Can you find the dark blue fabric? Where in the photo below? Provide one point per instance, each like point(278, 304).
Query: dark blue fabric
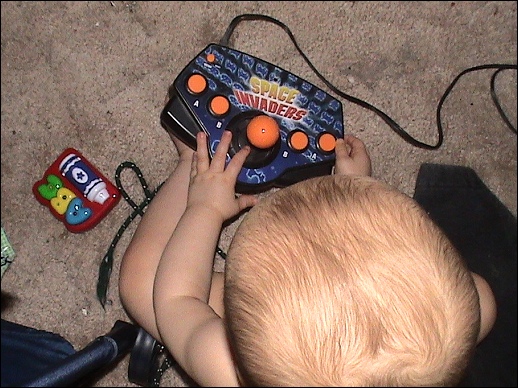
point(98, 354)
point(27, 353)
point(485, 232)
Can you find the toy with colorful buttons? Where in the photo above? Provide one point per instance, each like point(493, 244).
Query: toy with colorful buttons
point(76, 192)
point(289, 123)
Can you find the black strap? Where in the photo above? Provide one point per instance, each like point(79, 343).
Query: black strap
point(106, 266)
point(149, 360)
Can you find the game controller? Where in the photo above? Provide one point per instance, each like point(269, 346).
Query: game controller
point(290, 124)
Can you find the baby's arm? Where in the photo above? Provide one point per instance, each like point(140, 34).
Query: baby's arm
point(352, 157)
point(191, 330)
point(140, 260)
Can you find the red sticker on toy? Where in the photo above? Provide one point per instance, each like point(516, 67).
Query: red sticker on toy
point(76, 192)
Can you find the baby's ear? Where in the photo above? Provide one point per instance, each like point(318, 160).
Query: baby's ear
point(488, 310)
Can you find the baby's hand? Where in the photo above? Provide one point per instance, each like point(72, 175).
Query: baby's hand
point(212, 185)
point(352, 157)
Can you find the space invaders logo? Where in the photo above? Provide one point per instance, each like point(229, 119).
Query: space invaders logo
point(271, 97)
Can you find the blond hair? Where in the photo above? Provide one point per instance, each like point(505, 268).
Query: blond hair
point(345, 281)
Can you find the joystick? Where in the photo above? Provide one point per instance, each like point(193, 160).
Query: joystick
point(262, 132)
point(290, 124)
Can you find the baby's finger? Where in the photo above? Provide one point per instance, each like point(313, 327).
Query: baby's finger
point(220, 155)
point(355, 144)
point(341, 149)
point(246, 201)
point(236, 163)
point(202, 154)
point(194, 163)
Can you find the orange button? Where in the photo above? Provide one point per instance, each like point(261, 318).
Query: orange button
point(196, 83)
point(298, 141)
point(211, 58)
point(263, 131)
point(219, 105)
point(326, 142)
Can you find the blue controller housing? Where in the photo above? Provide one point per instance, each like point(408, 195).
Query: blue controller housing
point(224, 89)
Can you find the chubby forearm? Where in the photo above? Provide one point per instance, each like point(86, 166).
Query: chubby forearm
point(187, 324)
point(183, 280)
point(141, 258)
point(188, 257)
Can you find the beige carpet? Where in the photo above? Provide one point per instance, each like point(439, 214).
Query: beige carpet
point(93, 76)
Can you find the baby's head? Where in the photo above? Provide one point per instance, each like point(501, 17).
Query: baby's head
point(341, 281)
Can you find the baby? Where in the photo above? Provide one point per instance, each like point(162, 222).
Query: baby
point(338, 280)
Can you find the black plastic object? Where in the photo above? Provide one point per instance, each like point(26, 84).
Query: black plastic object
point(100, 353)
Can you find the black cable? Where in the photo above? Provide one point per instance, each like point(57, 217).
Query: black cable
point(497, 102)
point(224, 41)
point(499, 67)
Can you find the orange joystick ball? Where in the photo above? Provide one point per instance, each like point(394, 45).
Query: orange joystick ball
point(263, 131)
